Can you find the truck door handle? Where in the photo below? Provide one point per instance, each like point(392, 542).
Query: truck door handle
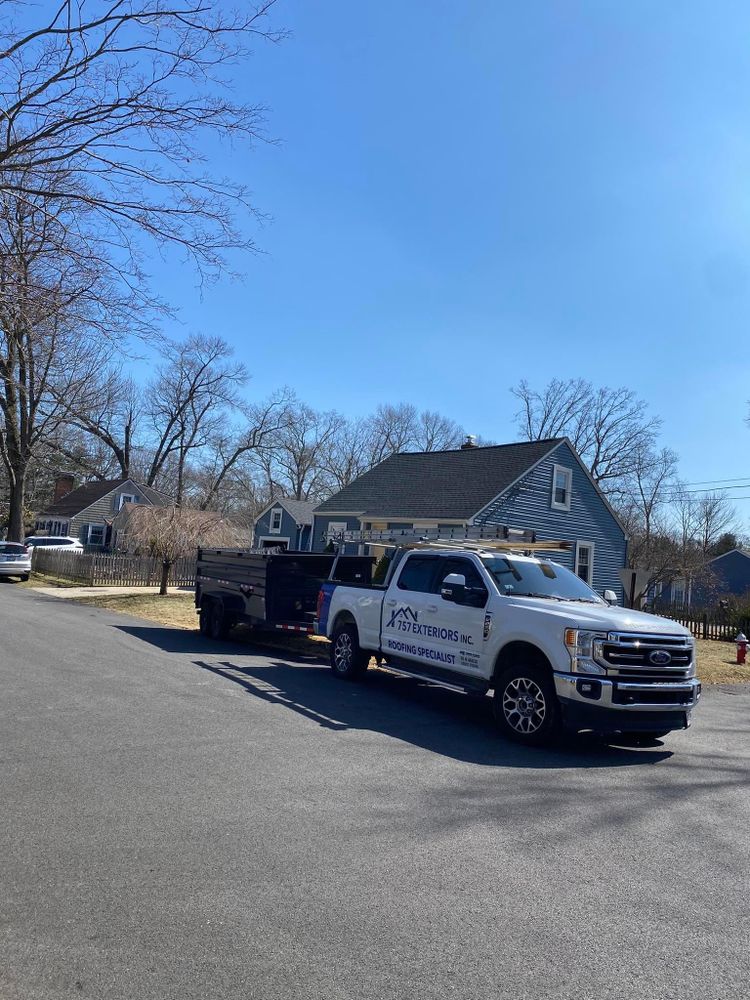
point(431, 607)
point(390, 603)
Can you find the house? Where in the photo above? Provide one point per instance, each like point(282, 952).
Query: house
point(541, 486)
point(724, 576)
point(284, 523)
point(87, 513)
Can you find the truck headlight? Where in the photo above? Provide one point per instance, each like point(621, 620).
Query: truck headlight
point(584, 647)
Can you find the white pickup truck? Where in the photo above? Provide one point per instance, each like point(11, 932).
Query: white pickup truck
point(554, 653)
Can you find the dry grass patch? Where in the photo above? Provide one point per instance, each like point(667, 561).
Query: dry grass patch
point(716, 663)
point(177, 610)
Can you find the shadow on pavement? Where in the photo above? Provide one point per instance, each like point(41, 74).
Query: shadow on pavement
point(182, 640)
point(423, 715)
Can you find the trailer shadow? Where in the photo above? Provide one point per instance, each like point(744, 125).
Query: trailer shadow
point(423, 715)
point(172, 639)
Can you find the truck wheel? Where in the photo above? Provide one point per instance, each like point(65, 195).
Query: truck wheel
point(525, 705)
point(24, 577)
point(217, 624)
point(348, 660)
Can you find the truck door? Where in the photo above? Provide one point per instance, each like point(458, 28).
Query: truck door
point(461, 623)
point(408, 611)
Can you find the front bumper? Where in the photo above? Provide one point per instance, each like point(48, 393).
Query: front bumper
point(609, 706)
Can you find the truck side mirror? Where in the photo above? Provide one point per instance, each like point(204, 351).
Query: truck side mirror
point(453, 587)
point(610, 597)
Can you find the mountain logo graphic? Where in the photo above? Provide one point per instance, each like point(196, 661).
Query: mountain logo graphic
point(402, 614)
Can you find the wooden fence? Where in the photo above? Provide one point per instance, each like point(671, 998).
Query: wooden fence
point(100, 569)
point(723, 626)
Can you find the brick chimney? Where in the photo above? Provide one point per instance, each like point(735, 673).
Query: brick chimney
point(63, 486)
point(470, 442)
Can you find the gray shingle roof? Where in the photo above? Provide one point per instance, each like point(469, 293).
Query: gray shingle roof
point(300, 510)
point(77, 500)
point(438, 484)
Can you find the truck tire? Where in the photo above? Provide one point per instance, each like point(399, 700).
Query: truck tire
point(348, 660)
point(217, 623)
point(525, 705)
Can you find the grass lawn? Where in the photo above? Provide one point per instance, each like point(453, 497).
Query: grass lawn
point(715, 659)
point(716, 663)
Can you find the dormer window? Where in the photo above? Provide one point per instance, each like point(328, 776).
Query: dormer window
point(562, 486)
point(276, 521)
point(126, 498)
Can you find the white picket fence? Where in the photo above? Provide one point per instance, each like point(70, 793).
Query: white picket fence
point(102, 569)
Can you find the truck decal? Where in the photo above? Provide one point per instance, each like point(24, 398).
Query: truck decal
point(402, 614)
point(423, 652)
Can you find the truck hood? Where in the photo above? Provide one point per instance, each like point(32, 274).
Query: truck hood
point(601, 618)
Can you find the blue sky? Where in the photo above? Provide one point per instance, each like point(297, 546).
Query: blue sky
point(469, 193)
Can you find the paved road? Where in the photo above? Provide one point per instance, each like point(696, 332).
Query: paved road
point(179, 819)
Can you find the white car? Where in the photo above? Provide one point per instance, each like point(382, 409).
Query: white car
point(15, 560)
point(61, 542)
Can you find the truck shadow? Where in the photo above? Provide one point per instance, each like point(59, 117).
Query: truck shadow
point(452, 725)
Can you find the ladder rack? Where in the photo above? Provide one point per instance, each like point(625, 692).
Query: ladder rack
point(477, 538)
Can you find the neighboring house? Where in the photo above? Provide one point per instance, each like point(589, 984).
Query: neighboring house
point(541, 486)
point(727, 575)
point(284, 523)
point(87, 513)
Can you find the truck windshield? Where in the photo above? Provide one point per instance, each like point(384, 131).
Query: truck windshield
point(524, 578)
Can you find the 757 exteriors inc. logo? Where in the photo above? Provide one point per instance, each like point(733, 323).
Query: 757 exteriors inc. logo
point(402, 614)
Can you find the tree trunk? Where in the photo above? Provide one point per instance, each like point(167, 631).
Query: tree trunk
point(165, 568)
point(15, 512)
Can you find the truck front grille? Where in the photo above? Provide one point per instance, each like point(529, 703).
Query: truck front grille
point(647, 656)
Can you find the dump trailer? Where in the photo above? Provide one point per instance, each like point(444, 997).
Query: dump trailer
point(268, 589)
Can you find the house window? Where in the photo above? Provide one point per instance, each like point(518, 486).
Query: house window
point(276, 516)
point(125, 498)
point(562, 485)
point(585, 561)
point(334, 531)
point(95, 534)
point(678, 592)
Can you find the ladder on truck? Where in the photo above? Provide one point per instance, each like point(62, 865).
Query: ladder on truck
point(479, 537)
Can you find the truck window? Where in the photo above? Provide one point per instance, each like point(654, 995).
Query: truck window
point(476, 592)
point(418, 574)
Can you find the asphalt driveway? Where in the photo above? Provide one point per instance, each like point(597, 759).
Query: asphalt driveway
point(183, 819)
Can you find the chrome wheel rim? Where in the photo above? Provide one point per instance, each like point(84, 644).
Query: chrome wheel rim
point(343, 652)
point(524, 705)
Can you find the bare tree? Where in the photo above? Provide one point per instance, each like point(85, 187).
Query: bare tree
point(107, 414)
point(169, 533)
point(714, 515)
point(293, 463)
point(60, 317)
point(259, 424)
point(609, 427)
point(194, 388)
point(114, 100)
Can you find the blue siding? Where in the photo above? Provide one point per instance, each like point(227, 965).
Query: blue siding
point(730, 576)
point(320, 527)
point(288, 530)
point(528, 505)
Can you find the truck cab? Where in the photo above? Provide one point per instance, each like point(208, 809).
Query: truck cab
point(554, 653)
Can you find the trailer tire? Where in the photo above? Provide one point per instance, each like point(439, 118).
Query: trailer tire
point(525, 705)
point(348, 659)
point(218, 626)
point(204, 619)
